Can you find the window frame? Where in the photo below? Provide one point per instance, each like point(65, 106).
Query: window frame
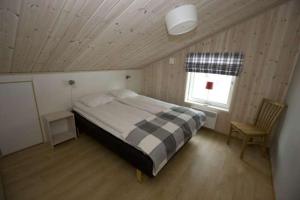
point(189, 99)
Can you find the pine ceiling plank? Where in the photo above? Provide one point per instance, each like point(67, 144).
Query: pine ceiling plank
point(36, 32)
point(42, 31)
point(111, 33)
point(30, 11)
point(81, 17)
point(93, 28)
point(35, 19)
point(9, 19)
point(64, 20)
point(57, 61)
point(147, 35)
point(141, 22)
point(125, 30)
point(149, 24)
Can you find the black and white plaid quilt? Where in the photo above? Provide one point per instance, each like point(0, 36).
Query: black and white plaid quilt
point(165, 133)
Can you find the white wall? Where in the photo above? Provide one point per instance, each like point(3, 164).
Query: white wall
point(54, 94)
point(285, 152)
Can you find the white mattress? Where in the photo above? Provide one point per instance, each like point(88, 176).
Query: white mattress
point(114, 117)
point(148, 104)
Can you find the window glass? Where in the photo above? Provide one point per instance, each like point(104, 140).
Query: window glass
point(211, 89)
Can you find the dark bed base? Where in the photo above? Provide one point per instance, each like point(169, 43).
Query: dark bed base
point(137, 158)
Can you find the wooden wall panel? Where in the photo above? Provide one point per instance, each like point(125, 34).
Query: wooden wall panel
point(271, 43)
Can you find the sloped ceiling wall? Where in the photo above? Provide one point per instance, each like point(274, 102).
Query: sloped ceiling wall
point(79, 35)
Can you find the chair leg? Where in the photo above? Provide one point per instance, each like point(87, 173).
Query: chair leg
point(245, 143)
point(229, 135)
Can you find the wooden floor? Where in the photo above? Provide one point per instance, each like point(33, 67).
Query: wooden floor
point(206, 168)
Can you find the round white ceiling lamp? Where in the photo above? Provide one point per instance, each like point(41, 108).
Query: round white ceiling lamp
point(181, 19)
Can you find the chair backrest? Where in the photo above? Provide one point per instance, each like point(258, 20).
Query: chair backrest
point(268, 113)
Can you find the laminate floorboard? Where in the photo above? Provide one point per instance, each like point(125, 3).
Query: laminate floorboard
point(206, 168)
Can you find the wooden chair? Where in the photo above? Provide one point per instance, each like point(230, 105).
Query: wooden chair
point(268, 113)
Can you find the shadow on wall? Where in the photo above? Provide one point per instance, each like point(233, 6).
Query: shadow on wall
point(277, 134)
point(2, 196)
point(285, 149)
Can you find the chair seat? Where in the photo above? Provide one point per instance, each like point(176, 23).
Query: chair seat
point(248, 129)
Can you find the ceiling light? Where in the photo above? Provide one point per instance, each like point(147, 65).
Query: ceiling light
point(181, 19)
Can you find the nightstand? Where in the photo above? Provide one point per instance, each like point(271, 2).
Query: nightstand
point(60, 127)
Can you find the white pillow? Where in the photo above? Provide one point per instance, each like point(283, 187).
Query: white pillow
point(96, 99)
point(123, 93)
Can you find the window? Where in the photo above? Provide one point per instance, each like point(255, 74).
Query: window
point(211, 77)
point(209, 89)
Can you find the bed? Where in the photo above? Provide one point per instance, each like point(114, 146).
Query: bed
point(144, 131)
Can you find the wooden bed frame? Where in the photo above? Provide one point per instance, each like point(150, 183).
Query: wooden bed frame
point(138, 159)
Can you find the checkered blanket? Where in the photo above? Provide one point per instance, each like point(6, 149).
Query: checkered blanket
point(163, 135)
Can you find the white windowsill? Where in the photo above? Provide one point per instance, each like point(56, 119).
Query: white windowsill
point(205, 107)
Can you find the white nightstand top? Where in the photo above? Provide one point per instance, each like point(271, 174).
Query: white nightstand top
point(58, 115)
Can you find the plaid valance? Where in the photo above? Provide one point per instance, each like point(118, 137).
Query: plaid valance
point(215, 63)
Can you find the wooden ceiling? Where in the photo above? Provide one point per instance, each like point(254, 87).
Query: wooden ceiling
point(79, 35)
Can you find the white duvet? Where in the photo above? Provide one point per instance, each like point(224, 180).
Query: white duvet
point(117, 115)
point(148, 104)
